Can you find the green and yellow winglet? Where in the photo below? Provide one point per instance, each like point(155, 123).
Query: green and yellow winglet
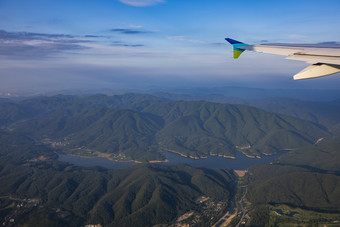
point(236, 45)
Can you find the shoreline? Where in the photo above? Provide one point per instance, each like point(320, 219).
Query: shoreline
point(222, 156)
point(106, 156)
point(241, 162)
point(203, 157)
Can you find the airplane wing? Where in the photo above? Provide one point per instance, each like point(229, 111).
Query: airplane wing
point(325, 59)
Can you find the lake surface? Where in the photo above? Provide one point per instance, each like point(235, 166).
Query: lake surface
point(241, 162)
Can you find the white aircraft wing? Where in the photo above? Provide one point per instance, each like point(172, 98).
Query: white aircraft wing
point(325, 59)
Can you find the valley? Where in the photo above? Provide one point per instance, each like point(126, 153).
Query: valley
point(141, 127)
point(194, 163)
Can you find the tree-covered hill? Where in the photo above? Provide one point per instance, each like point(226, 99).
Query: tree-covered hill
point(323, 113)
point(294, 186)
point(199, 128)
point(326, 113)
point(325, 157)
point(142, 195)
point(140, 127)
point(308, 178)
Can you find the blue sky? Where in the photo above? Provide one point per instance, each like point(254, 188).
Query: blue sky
point(49, 44)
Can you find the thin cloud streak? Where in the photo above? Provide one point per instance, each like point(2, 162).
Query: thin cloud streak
point(123, 44)
point(4, 35)
point(23, 45)
point(129, 31)
point(23, 50)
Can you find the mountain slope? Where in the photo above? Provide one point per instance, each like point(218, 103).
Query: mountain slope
point(200, 128)
point(307, 178)
point(323, 113)
point(122, 131)
point(294, 186)
point(142, 195)
point(139, 127)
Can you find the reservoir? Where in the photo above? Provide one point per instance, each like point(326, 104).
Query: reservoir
point(241, 162)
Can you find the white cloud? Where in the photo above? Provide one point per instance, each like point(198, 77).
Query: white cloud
point(26, 45)
point(141, 3)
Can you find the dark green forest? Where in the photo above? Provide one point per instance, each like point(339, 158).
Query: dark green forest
point(307, 178)
point(140, 127)
point(38, 190)
point(142, 195)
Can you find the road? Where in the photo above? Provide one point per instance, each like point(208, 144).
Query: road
point(242, 208)
point(225, 220)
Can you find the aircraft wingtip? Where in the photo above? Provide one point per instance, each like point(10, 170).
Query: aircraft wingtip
point(232, 41)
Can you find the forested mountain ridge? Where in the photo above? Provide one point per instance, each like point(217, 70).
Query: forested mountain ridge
point(307, 179)
point(140, 127)
point(40, 191)
point(323, 113)
point(326, 113)
point(224, 129)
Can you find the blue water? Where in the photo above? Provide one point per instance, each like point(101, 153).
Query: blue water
point(241, 162)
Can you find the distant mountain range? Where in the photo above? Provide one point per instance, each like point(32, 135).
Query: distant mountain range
point(229, 92)
point(321, 112)
point(140, 127)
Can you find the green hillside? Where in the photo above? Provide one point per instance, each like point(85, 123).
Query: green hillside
point(39, 190)
point(326, 113)
point(294, 186)
point(307, 179)
point(323, 113)
point(199, 128)
point(128, 132)
point(140, 127)
point(54, 193)
point(323, 157)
